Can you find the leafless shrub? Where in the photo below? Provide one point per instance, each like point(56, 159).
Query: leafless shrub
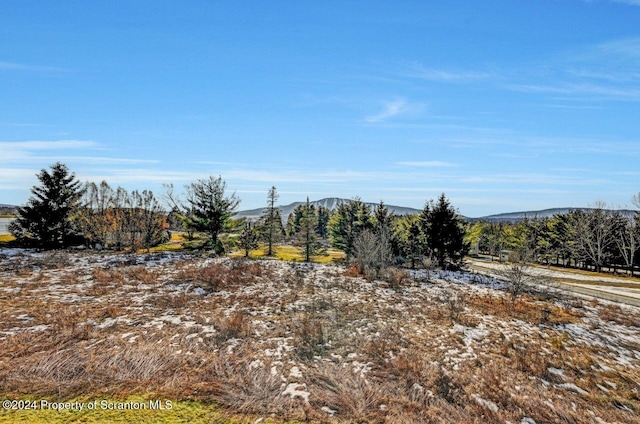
point(370, 255)
point(142, 274)
point(397, 278)
point(237, 325)
point(310, 336)
point(517, 276)
point(454, 304)
point(221, 275)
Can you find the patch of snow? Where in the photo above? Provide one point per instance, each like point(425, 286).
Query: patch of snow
point(297, 390)
point(573, 388)
point(485, 403)
point(556, 371)
point(328, 410)
point(295, 373)
point(256, 364)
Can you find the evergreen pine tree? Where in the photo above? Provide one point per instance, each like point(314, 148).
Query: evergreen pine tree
point(209, 210)
point(248, 238)
point(349, 220)
point(46, 220)
point(272, 220)
point(444, 233)
point(306, 231)
point(323, 215)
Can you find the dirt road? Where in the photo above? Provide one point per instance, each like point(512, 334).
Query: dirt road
point(618, 289)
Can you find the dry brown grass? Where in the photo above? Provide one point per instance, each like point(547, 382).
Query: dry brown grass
point(615, 313)
point(372, 351)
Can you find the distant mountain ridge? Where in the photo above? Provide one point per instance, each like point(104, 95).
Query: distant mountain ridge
point(544, 213)
point(331, 203)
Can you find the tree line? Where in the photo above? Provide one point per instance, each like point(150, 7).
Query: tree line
point(62, 212)
point(590, 239)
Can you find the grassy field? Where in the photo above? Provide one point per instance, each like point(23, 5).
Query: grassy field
point(235, 341)
point(291, 253)
point(132, 409)
point(282, 252)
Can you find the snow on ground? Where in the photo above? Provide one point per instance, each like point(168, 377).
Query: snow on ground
point(294, 317)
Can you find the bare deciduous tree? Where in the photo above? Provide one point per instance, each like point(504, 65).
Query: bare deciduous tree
point(594, 234)
point(95, 216)
point(517, 276)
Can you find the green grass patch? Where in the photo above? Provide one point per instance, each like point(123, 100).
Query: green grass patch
point(291, 254)
point(166, 247)
point(175, 243)
point(133, 409)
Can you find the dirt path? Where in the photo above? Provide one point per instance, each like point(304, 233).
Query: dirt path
point(616, 289)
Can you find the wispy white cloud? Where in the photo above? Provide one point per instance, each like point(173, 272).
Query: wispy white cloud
point(415, 70)
point(630, 2)
point(399, 107)
point(603, 71)
point(428, 164)
point(20, 151)
point(390, 110)
point(16, 178)
point(533, 179)
point(137, 175)
point(13, 66)
point(583, 89)
point(46, 145)
point(97, 160)
point(45, 151)
point(300, 176)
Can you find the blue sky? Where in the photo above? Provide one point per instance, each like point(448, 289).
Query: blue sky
point(502, 105)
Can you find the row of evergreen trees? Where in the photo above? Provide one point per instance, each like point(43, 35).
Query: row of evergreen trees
point(63, 211)
point(589, 239)
point(371, 237)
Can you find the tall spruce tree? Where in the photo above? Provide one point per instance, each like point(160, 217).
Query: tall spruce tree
point(272, 220)
point(444, 233)
point(208, 209)
point(306, 231)
point(324, 215)
point(349, 220)
point(46, 220)
point(248, 238)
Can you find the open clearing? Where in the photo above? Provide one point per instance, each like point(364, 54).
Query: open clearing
point(315, 342)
